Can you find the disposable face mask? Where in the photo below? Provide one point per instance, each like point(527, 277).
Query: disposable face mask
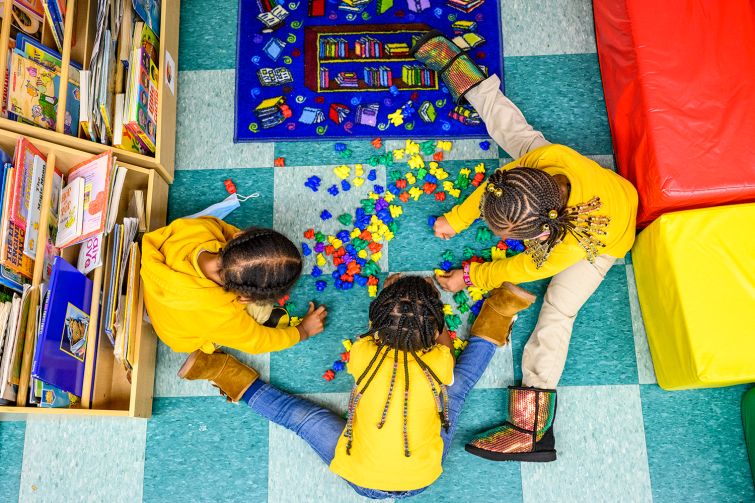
point(223, 208)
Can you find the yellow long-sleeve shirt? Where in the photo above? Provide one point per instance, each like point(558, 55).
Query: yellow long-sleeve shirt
point(190, 311)
point(588, 179)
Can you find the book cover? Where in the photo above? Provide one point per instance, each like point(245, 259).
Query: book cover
point(18, 210)
point(149, 11)
point(35, 205)
point(96, 173)
point(141, 115)
point(33, 93)
point(51, 251)
point(61, 347)
point(54, 397)
point(70, 217)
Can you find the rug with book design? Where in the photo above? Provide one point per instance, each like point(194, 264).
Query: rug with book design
point(341, 68)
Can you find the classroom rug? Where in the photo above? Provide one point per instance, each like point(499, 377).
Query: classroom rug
point(341, 68)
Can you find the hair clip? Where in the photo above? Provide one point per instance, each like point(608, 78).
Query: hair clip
point(553, 214)
point(494, 190)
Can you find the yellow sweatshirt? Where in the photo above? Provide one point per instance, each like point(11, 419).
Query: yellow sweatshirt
point(377, 459)
point(588, 179)
point(189, 311)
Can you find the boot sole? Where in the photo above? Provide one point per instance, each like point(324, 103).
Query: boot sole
point(533, 457)
point(188, 364)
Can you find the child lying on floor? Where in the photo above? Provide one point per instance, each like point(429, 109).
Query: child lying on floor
point(407, 396)
point(208, 284)
point(576, 219)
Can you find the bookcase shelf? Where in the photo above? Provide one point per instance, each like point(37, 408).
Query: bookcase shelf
point(107, 390)
point(351, 62)
point(83, 31)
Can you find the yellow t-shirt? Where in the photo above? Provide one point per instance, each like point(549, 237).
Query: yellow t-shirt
point(588, 179)
point(190, 311)
point(377, 458)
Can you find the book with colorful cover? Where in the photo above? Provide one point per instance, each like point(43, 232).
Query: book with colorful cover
point(18, 209)
point(55, 13)
point(35, 205)
point(141, 114)
point(8, 278)
point(33, 94)
point(27, 17)
point(96, 173)
point(149, 11)
point(46, 56)
point(61, 348)
point(70, 215)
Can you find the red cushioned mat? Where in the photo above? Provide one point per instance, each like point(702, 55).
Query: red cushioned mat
point(679, 82)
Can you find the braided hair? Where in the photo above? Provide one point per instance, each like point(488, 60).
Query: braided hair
point(260, 264)
point(523, 203)
point(405, 318)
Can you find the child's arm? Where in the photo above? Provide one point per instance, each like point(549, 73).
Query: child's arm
point(245, 334)
point(462, 215)
point(521, 268)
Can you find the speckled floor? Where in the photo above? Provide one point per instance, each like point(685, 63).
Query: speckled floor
point(620, 437)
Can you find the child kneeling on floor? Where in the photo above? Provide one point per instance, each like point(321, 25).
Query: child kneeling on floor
point(407, 397)
point(576, 219)
point(208, 284)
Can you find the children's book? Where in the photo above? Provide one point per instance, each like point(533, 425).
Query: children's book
point(53, 397)
point(140, 116)
point(54, 11)
point(61, 348)
point(8, 278)
point(51, 251)
point(149, 12)
point(27, 17)
point(70, 220)
point(7, 390)
point(19, 202)
point(33, 93)
point(96, 173)
point(35, 205)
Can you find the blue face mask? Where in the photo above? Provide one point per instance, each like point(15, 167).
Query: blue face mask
point(223, 208)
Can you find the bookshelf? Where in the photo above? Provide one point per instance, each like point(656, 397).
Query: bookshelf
point(83, 31)
point(107, 391)
point(350, 61)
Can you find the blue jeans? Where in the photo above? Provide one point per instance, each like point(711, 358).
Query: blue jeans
point(321, 428)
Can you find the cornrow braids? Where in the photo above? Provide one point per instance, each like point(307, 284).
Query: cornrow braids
point(405, 317)
point(260, 264)
point(523, 203)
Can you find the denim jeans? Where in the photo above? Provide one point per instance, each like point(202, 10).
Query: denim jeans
point(321, 428)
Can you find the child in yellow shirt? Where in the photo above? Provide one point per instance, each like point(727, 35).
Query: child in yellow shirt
point(575, 217)
point(208, 284)
point(407, 396)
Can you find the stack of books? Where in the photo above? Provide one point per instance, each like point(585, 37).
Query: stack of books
point(415, 75)
point(368, 47)
point(333, 48)
point(272, 111)
point(119, 88)
point(465, 5)
point(398, 49)
point(82, 219)
point(114, 99)
point(378, 77)
point(347, 79)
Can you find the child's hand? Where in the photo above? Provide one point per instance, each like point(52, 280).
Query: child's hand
point(313, 322)
point(443, 229)
point(452, 281)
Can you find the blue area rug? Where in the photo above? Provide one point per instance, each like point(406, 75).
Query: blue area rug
point(341, 68)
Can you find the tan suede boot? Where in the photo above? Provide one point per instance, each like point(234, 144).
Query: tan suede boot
point(226, 372)
point(499, 311)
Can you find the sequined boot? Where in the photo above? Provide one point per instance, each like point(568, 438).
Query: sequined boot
point(527, 435)
point(223, 370)
point(454, 66)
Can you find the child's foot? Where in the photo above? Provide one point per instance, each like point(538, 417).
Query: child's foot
point(498, 313)
point(231, 376)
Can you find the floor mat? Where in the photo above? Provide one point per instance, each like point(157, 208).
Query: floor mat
point(342, 69)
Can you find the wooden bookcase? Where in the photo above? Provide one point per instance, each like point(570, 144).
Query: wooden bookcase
point(83, 31)
point(107, 391)
point(355, 63)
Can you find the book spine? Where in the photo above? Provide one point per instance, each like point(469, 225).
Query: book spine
point(54, 23)
point(35, 367)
